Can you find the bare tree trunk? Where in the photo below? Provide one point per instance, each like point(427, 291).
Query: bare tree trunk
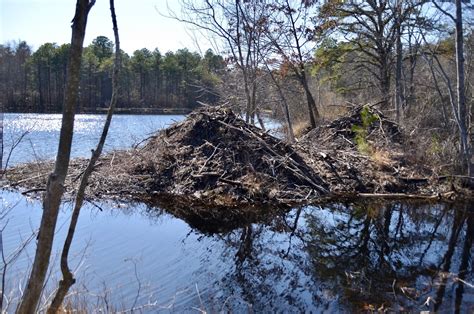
point(398, 72)
point(253, 99)
point(40, 90)
point(54, 187)
point(438, 90)
point(68, 279)
point(313, 111)
point(1, 139)
point(385, 82)
point(242, 65)
point(290, 134)
point(461, 92)
point(286, 111)
point(260, 119)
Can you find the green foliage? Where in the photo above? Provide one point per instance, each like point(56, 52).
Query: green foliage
point(329, 62)
point(45, 53)
point(435, 146)
point(361, 131)
point(368, 117)
point(148, 79)
point(446, 46)
point(102, 47)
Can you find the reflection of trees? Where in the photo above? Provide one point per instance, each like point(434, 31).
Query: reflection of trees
point(465, 258)
point(445, 264)
point(269, 269)
point(461, 218)
point(316, 258)
point(386, 254)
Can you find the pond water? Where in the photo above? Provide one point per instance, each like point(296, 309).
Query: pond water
point(332, 257)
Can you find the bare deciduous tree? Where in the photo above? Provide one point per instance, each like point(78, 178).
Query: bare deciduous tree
point(294, 37)
point(459, 103)
point(55, 185)
point(237, 28)
point(68, 278)
point(375, 28)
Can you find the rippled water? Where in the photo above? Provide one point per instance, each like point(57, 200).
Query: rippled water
point(41, 133)
point(334, 258)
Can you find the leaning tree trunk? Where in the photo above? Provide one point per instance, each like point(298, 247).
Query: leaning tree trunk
point(55, 185)
point(68, 278)
point(313, 110)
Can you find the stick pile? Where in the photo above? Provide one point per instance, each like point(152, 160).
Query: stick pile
point(214, 158)
point(214, 154)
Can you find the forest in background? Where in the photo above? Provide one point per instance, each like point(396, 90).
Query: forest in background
point(34, 81)
point(305, 61)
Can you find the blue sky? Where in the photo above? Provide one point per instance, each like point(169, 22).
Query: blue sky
point(140, 24)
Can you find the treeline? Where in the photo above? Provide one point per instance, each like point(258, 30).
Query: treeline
point(34, 81)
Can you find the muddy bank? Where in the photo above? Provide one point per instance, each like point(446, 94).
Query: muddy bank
point(214, 158)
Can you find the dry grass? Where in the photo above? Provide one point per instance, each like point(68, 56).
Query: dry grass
point(334, 111)
point(382, 159)
point(300, 128)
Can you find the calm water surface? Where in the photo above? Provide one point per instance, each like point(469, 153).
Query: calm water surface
point(334, 258)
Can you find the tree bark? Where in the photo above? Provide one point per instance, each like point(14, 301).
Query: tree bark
point(385, 80)
point(313, 111)
point(398, 71)
point(1, 139)
point(290, 134)
point(243, 66)
point(54, 188)
point(40, 90)
point(461, 92)
point(68, 278)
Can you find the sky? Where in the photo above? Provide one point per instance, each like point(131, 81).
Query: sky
point(139, 21)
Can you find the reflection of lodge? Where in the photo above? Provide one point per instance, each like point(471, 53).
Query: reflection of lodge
point(402, 257)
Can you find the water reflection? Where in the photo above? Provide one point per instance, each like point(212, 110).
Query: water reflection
point(335, 258)
point(402, 257)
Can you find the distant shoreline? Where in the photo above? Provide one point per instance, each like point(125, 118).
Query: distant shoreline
point(138, 111)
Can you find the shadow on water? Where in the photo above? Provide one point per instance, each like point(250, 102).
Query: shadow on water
point(386, 256)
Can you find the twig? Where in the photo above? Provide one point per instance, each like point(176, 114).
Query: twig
point(210, 157)
point(138, 281)
point(28, 179)
point(405, 196)
point(200, 300)
point(84, 170)
point(14, 145)
point(470, 285)
point(33, 191)
point(94, 204)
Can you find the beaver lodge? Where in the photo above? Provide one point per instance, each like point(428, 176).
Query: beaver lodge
point(215, 158)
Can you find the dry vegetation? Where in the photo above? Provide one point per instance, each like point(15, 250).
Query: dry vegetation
point(215, 158)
